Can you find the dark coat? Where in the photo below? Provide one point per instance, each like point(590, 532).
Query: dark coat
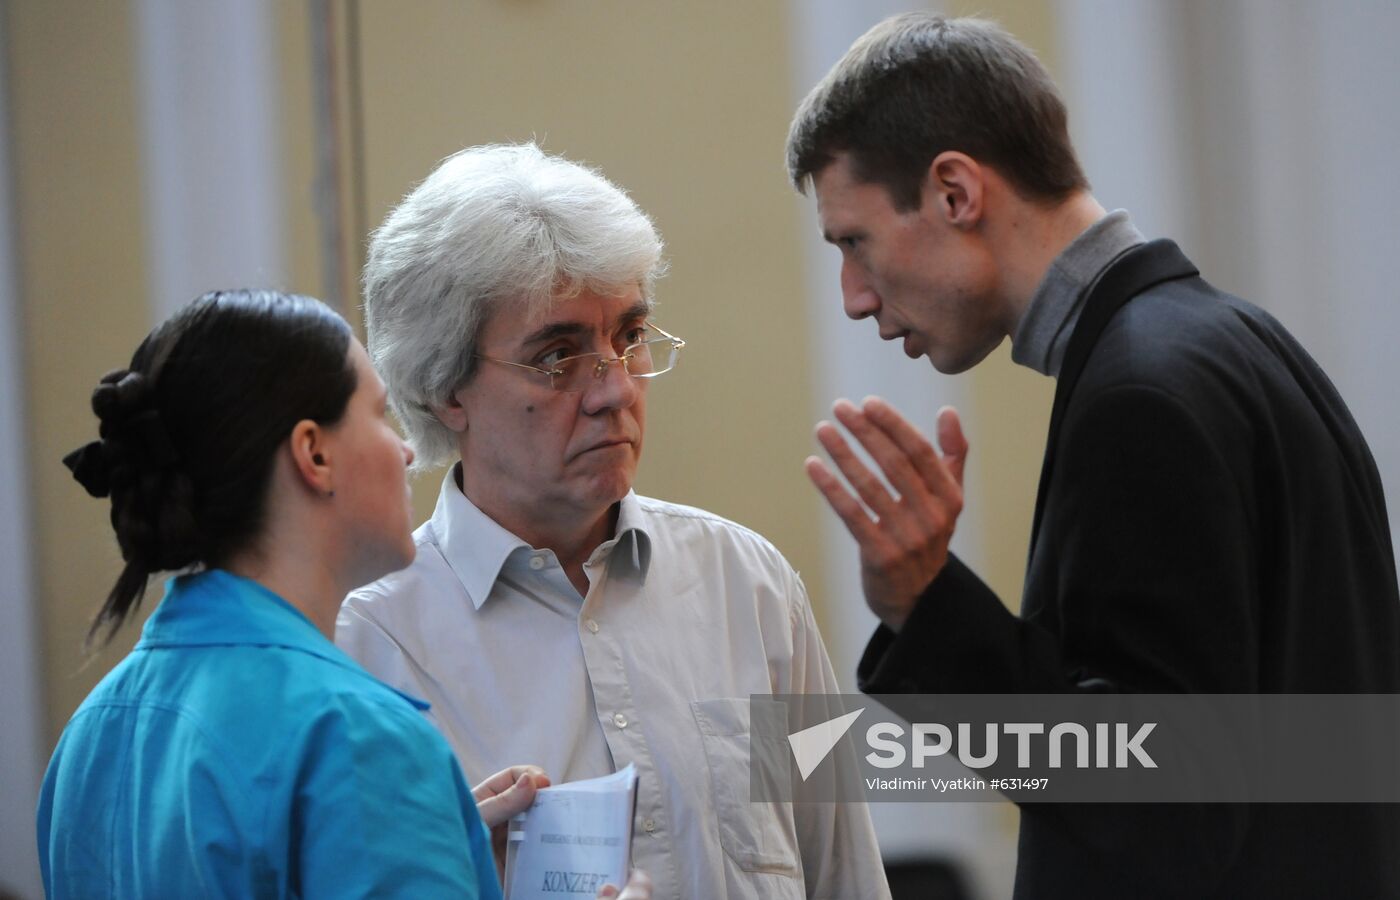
point(1209, 520)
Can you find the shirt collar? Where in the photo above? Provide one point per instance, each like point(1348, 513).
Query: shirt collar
point(218, 608)
point(476, 547)
point(1045, 328)
point(631, 545)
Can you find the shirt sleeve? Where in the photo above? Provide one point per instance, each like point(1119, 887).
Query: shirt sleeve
point(384, 811)
point(840, 854)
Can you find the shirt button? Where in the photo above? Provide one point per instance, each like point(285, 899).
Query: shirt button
point(537, 562)
point(592, 626)
point(619, 720)
point(649, 825)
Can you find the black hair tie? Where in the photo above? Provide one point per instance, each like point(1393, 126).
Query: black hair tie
point(89, 467)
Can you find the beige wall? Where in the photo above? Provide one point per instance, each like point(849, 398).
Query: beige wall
point(83, 289)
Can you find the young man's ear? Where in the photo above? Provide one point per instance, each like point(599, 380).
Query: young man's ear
point(955, 184)
point(312, 458)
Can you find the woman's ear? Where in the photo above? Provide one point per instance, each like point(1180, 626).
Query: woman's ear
point(955, 185)
point(312, 458)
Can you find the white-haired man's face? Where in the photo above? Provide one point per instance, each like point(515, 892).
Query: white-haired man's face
point(542, 461)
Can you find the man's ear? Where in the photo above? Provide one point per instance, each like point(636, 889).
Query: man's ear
point(955, 184)
point(451, 412)
point(312, 457)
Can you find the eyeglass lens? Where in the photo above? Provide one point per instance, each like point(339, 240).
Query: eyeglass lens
point(644, 360)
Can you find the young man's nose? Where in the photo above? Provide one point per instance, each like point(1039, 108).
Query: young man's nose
point(858, 298)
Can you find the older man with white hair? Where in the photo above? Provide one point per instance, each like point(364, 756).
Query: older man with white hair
point(552, 614)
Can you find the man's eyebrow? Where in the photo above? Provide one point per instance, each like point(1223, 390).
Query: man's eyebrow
point(553, 330)
point(639, 310)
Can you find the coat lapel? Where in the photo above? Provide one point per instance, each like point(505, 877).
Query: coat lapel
point(1139, 269)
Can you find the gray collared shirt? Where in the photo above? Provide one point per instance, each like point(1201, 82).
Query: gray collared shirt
point(686, 615)
point(1044, 330)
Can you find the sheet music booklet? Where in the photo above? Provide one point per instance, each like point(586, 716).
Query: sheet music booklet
point(574, 838)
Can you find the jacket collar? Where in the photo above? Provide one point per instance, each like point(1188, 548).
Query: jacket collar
point(1136, 271)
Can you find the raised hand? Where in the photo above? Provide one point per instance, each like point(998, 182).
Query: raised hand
point(903, 537)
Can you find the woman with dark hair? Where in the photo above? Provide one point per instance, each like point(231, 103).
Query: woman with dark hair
point(236, 751)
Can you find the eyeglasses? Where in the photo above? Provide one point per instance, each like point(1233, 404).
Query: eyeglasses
point(655, 354)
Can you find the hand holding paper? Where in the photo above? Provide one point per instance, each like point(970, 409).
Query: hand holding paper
point(503, 795)
point(574, 839)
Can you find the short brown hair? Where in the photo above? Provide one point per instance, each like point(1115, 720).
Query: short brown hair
point(919, 84)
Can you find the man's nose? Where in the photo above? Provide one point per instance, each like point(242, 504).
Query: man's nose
point(858, 297)
point(611, 387)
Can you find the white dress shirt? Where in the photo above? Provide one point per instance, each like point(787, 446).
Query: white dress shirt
point(686, 615)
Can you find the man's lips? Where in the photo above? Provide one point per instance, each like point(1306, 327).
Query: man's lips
point(909, 349)
point(603, 445)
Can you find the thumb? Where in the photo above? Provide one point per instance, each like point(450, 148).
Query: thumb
point(952, 442)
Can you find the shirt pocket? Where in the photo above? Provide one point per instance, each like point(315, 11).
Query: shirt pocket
point(758, 837)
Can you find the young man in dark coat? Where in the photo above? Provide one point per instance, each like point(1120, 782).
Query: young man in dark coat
point(1209, 518)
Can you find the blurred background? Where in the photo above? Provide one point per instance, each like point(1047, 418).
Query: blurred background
point(154, 149)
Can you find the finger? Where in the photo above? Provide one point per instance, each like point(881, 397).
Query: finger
point(848, 508)
point(933, 471)
point(503, 779)
point(866, 484)
point(952, 441)
point(509, 802)
point(925, 502)
point(894, 461)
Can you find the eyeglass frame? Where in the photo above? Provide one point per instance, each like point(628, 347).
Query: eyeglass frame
point(603, 362)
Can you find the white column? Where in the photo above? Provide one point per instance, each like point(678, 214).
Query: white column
point(208, 90)
point(852, 362)
point(1335, 269)
point(1120, 62)
point(21, 741)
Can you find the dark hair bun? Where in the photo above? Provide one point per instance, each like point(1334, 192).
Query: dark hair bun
point(135, 462)
point(120, 394)
point(133, 437)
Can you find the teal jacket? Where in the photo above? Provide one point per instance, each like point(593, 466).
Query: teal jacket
point(236, 752)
